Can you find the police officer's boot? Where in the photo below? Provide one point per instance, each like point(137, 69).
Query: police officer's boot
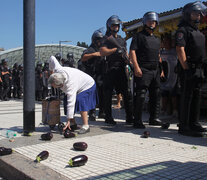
point(195, 113)
point(107, 107)
point(184, 125)
point(139, 104)
point(128, 105)
point(154, 104)
point(92, 115)
point(101, 113)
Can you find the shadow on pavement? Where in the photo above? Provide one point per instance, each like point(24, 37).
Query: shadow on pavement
point(164, 170)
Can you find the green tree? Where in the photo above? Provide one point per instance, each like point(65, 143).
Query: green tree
point(82, 44)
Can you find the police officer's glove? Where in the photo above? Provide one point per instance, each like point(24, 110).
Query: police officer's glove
point(188, 74)
point(120, 51)
point(163, 79)
point(199, 74)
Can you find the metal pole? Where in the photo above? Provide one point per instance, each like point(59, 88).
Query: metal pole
point(60, 47)
point(29, 66)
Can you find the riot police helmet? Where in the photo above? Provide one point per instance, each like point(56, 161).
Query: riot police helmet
point(20, 66)
point(150, 16)
point(97, 35)
point(15, 65)
point(39, 63)
point(193, 7)
point(4, 61)
point(113, 20)
point(58, 56)
point(69, 55)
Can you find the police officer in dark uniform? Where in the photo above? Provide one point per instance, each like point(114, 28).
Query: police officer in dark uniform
point(14, 79)
point(6, 78)
point(190, 47)
point(1, 82)
point(45, 76)
point(58, 56)
point(70, 60)
point(145, 54)
point(38, 81)
point(115, 76)
point(93, 65)
point(20, 80)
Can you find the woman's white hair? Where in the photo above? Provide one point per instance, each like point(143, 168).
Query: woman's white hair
point(57, 78)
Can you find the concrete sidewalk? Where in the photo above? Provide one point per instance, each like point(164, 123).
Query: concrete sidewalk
point(117, 152)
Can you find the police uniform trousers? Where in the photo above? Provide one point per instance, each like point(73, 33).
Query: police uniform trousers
point(190, 99)
point(116, 78)
point(150, 80)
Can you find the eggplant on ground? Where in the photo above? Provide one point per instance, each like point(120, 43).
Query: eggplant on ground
point(78, 161)
point(80, 146)
point(42, 156)
point(69, 134)
point(5, 151)
point(47, 137)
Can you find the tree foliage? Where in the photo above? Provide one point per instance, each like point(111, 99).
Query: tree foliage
point(82, 44)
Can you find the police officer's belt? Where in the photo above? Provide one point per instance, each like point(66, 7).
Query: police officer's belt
point(195, 65)
point(149, 66)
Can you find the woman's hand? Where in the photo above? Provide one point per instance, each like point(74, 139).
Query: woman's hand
point(162, 75)
point(67, 125)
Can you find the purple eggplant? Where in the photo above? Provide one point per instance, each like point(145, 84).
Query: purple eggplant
point(78, 161)
point(80, 146)
point(69, 134)
point(5, 151)
point(47, 137)
point(42, 156)
point(146, 134)
point(165, 125)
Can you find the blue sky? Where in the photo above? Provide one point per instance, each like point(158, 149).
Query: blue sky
point(59, 20)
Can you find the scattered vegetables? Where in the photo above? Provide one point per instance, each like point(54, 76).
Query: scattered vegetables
point(146, 134)
point(42, 156)
point(80, 146)
point(78, 161)
point(69, 134)
point(165, 125)
point(47, 137)
point(5, 151)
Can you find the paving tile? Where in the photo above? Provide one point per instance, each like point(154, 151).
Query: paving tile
point(119, 155)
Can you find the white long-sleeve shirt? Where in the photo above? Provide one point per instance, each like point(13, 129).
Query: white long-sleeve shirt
point(76, 82)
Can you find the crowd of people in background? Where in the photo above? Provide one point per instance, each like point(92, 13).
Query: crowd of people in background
point(11, 81)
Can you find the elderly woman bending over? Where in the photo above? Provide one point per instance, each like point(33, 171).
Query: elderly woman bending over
point(80, 89)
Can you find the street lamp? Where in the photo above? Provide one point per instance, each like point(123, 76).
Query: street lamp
point(60, 48)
